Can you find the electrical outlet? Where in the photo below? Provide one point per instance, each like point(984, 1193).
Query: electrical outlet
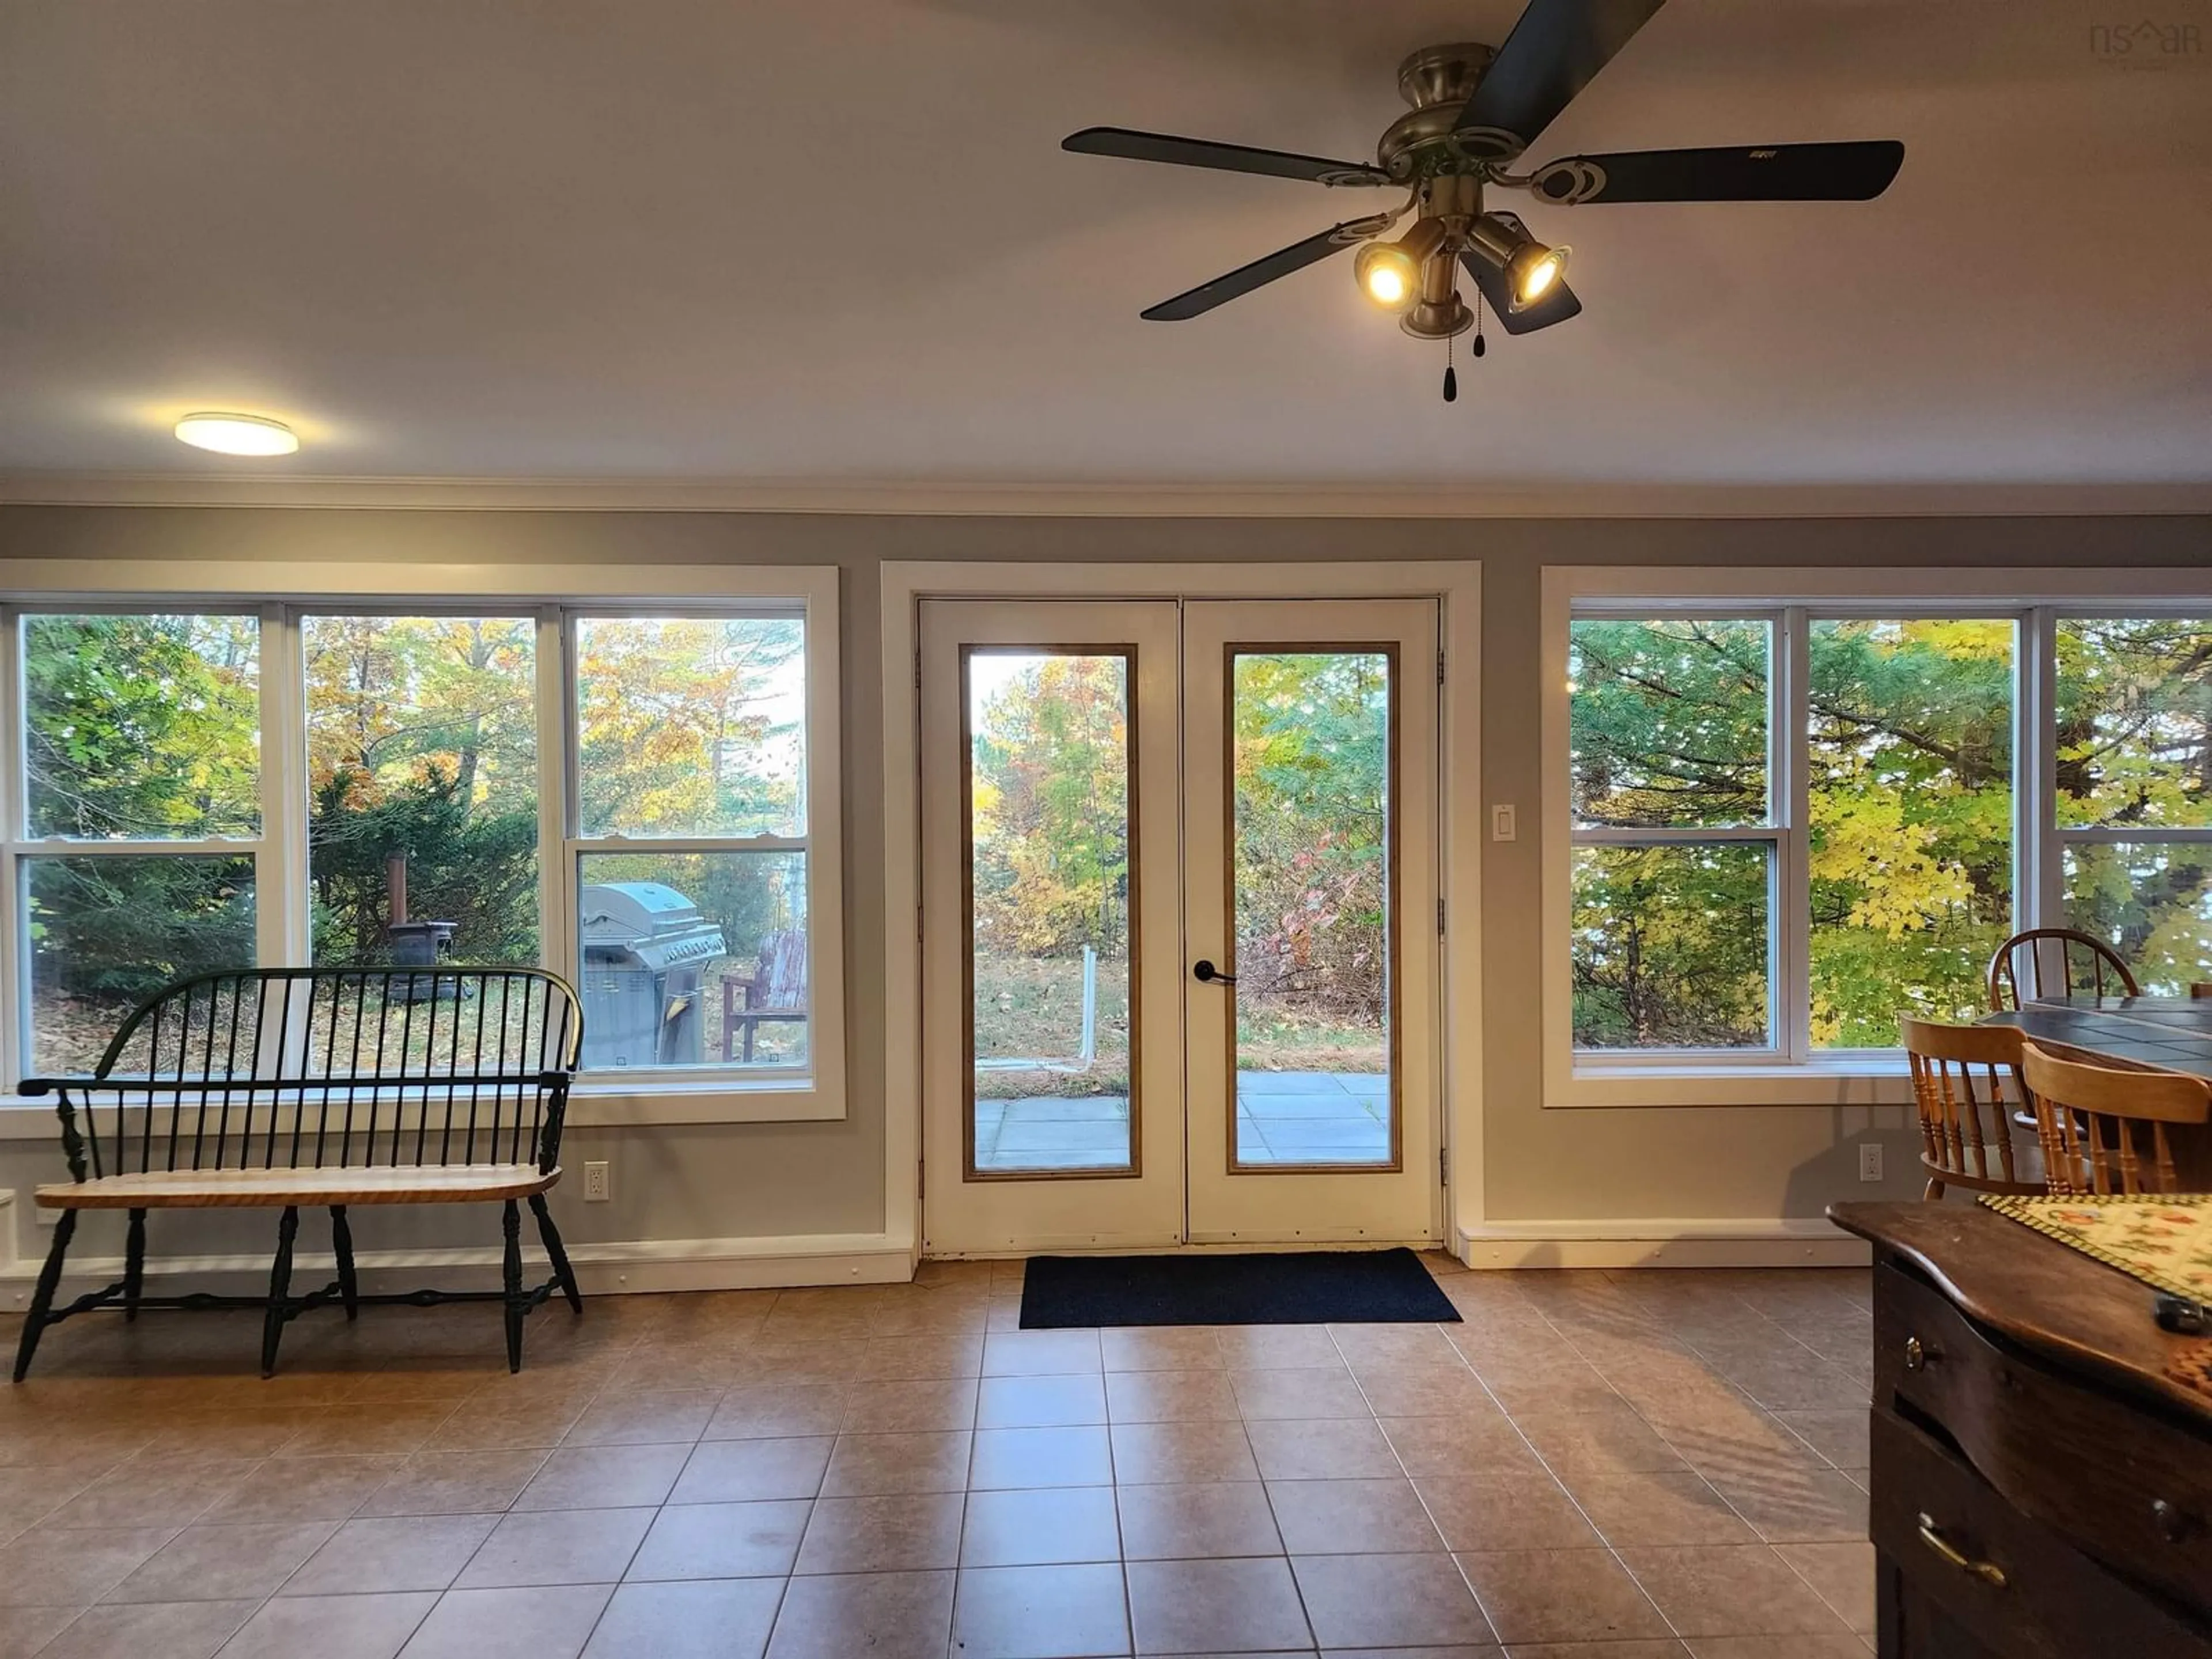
point(598, 1186)
point(1869, 1160)
point(1502, 827)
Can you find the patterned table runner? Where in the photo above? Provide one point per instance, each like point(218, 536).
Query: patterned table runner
point(2166, 1243)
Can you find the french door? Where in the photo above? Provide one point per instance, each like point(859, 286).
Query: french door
point(1179, 922)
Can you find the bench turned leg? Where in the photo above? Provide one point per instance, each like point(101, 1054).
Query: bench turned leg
point(511, 1223)
point(134, 1266)
point(556, 1252)
point(42, 1300)
point(280, 1287)
point(342, 1246)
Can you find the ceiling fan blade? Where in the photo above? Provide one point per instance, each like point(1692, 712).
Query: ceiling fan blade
point(1857, 171)
point(1556, 307)
point(1554, 52)
point(1230, 158)
point(1243, 280)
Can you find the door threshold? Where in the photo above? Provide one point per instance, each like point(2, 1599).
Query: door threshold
point(1195, 1247)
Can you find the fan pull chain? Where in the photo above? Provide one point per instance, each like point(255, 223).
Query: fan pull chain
point(1480, 347)
point(1451, 374)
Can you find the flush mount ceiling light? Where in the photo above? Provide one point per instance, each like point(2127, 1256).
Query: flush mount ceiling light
point(237, 434)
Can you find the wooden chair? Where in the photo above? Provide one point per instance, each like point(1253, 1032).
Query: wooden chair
point(1955, 1141)
point(2026, 965)
point(2088, 1118)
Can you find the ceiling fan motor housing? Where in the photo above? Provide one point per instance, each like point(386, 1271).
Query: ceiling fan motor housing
point(1437, 81)
point(1444, 75)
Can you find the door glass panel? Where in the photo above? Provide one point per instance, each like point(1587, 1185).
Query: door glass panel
point(1051, 904)
point(1311, 885)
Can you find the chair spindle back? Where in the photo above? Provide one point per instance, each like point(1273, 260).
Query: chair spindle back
point(1958, 1073)
point(2104, 1130)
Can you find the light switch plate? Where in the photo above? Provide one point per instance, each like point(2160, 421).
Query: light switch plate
point(1501, 826)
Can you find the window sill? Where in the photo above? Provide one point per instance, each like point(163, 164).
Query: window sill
point(1863, 1084)
point(609, 1105)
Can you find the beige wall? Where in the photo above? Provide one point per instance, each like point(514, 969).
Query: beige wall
point(776, 1179)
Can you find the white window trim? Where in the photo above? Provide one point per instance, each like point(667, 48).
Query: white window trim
point(596, 1101)
point(1774, 1077)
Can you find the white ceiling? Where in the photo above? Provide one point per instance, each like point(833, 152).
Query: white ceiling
point(834, 241)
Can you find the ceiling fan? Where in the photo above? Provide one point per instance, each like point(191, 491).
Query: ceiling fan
point(1475, 110)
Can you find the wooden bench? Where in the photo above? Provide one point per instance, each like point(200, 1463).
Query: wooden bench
point(774, 995)
point(332, 1087)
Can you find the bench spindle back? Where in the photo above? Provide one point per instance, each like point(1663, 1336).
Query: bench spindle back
point(328, 1067)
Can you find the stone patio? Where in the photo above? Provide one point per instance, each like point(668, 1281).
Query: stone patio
point(1282, 1117)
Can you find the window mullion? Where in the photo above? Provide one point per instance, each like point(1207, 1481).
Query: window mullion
point(2038, 880)
point(1792, 786)
point(283, 910)
point(556, 772)
point(14, 963)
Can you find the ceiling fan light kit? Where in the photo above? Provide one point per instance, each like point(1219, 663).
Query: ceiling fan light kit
point(1475, 110)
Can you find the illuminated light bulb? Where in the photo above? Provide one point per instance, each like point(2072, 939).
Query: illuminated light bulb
point(237, 434)
point(1533, 272)
point(1389, 273)
point(1386, 274)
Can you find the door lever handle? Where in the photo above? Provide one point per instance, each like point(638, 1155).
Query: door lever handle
point(1206, 974)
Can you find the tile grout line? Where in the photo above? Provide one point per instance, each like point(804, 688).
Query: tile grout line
point(1114, 1476)
point(967, 1496)
point(1570, 1323)
point(1599, 1531)
point(1267, 1491)
point(1661, 1434)
point(1399, 1458)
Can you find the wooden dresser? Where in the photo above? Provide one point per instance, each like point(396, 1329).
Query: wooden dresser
point(2041, 1485)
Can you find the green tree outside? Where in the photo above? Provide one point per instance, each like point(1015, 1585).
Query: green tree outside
point(1910, 796)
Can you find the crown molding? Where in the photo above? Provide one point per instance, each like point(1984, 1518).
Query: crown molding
point(891, 497)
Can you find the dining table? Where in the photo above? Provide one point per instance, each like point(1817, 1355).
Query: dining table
point(2168, 1034)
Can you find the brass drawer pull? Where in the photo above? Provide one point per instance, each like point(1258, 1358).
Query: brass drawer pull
point(1987, 1571)
point(1915, 1355)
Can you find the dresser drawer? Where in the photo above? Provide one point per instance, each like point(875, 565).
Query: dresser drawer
point(2017, 1587)
point(2129, 1488)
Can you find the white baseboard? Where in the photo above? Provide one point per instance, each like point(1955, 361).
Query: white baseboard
point(635, 1266)
point(1712, 1242)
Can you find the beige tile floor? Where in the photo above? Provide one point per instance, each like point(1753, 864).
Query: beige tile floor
point(1594, 1465)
